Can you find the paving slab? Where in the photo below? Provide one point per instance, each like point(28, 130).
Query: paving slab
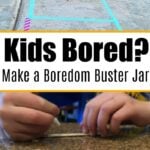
point(9, 10)
point(132, 14)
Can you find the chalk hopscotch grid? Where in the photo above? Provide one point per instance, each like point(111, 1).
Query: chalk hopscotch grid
point(113, 19)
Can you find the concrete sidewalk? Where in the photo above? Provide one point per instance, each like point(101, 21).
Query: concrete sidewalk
point(66, 15)
point(9, 10)
point(130, 14)
point(50, 14)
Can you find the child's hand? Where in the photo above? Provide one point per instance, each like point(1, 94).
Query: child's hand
point(114, 109)
point(26, 116)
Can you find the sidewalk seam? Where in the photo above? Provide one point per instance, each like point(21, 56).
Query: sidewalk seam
point(18, 8)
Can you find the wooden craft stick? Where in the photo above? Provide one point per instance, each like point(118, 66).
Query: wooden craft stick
point(56, 121)
point(67, 135)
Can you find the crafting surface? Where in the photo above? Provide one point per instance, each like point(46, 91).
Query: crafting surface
point(128, 139)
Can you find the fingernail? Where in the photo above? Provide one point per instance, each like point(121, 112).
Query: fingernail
point(92, 134)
